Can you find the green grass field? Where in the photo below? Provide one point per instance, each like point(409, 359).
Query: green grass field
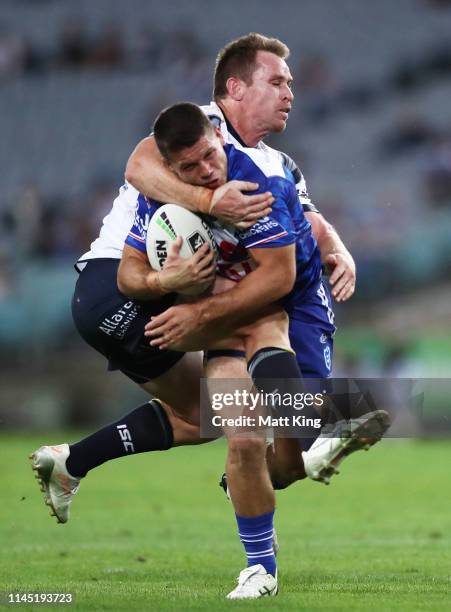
point(155, 532)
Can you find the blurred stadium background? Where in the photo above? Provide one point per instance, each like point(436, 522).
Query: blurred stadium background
point(80, 85)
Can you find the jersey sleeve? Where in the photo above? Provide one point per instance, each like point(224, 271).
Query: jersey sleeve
point(137, 235)
point(277, 229)
point(301, 186)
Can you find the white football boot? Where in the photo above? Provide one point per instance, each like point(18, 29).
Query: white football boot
point(254, 582)
point(58, 486)
point(340, 440)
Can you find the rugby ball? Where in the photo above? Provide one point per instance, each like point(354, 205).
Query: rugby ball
point(169, 222)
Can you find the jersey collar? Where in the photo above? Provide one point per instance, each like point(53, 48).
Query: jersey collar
point(233, 131)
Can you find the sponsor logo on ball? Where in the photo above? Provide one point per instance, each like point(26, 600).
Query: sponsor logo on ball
point(166, 225)
point(195, 241)
point(161, 248)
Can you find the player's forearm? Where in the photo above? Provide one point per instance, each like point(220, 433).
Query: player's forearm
point(329, 242)
point(239, 305)
point(138, 282)
point(148, 173)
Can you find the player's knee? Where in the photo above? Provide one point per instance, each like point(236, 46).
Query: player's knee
point(187, 411)
point(247, 451)
point(185, 433)
point(192, 416)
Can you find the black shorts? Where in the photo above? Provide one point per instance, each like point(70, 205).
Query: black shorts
point(114, 325)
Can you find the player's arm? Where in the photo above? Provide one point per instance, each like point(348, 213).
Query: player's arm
point(137, 280)
point(147, 171)
point(223, 313)
point(335, 256)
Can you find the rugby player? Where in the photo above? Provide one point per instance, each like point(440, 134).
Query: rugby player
point(277, 256)
point(194, 151)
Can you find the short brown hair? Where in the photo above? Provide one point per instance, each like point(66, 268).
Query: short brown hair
point(238, 59)
point(179, 126)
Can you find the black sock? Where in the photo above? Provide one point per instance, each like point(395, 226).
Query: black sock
point(272, 365)
point(146, 428)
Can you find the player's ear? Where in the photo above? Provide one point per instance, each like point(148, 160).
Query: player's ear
point(219, 135)
point(235, 88)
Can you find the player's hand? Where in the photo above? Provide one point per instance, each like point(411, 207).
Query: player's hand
point(231, 206)
point(341, 268)
point(179, 273)
point(171, 327)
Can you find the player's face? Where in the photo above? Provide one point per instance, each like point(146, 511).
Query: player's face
point(269, 98)
point(203, 164)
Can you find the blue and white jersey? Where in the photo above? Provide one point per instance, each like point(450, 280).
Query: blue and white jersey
point(285, 225)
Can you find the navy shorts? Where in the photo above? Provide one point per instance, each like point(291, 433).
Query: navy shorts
point(114, 325)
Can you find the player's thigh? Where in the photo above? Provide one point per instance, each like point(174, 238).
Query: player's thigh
point(179, 386)
point(270, 329)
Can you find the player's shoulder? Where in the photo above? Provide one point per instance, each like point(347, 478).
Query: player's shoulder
point(266, 163)
point(288, 162)
point(292, 170)
point(127, 194)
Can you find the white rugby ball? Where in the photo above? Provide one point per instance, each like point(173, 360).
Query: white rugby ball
point(169, 222)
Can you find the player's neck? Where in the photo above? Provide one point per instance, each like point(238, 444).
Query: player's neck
point(248, 134)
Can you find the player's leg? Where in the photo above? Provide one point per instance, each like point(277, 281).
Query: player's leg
point(267, 343)
point(150, 427)
point(250, 487)
point(158, 424)
point(274, 363)
point(178, 388)
point(312, 340)
point(292, 459)
point(114, 325)
point(311, 335)
point(246, 453)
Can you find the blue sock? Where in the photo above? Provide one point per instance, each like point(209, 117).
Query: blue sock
point(256, 535)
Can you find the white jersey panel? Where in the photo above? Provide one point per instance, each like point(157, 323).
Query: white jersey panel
point(116, 226)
